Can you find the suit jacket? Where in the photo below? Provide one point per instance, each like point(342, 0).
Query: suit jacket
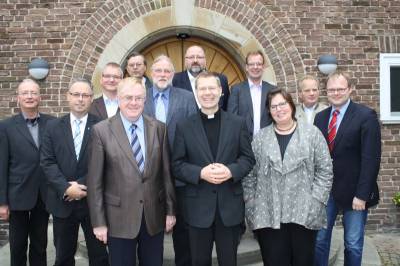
point(240, 103)
point(21, 177)
point(181, 80)
point(98, 108)
point(301, 115)
point(118, 194)
point(356, 154)
point(180, 106)
point(60, 165)
point(192, 152)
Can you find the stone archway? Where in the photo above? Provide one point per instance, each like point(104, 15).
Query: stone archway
point(117, 27)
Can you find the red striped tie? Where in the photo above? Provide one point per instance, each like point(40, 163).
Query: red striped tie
point(332, 130)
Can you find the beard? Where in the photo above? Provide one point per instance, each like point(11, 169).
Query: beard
point(195, 70)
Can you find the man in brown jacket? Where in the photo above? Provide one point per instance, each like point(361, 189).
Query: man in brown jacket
point(130, 191)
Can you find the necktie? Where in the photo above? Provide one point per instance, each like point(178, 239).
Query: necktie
point(137, 151)
point(332, 130)
point(160, 108)
point(77, 137)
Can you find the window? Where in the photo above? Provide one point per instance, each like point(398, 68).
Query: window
point(390, 88)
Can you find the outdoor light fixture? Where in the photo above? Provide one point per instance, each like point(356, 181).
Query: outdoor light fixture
point(327, 64)
point(39, 68)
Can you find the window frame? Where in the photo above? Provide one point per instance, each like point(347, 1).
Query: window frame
point(387, 60)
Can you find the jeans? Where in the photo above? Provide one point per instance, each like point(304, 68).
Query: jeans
point(353, 224)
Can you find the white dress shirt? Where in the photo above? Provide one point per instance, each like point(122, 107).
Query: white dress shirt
point(82, 125)
point(255, 92)
point(193, 84)
point(111, 105)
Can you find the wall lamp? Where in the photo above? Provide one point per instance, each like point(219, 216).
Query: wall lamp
point(327, 64)
point(39, 68)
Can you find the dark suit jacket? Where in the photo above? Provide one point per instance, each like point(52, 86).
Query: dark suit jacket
point(181, 80)
point(118, 194)
point(60, 165)
point(240, 103)
point(21, 177)
point(192, 152)
point(98, 108)
point(356, 154)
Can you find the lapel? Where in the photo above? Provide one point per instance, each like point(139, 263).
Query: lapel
point(172, 105)
point(223, 135)
point(200, 135)
point(101, 107)
point(42, 126)
point(23, 129)
point(118, 130)
point(248, 100)
point(264, 91)
point(344, 124)
point(325, 122)
point(149, 107)
point(186, 81)
point(66, 129)
point(90, 122)
point(149, 135)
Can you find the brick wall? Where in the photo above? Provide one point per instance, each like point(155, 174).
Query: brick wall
point(72, 34)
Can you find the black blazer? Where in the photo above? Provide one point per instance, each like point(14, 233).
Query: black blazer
point(60, 165)
point(240, 103)
point(192, 153)
point(21, 177)
point(181, 80)
point(356, 154)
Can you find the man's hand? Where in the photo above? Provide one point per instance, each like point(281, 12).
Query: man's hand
point(101, 233)
point(215, 173)
point(169, 223)
point(4, 212)
point(358, 205)
point(75, 191)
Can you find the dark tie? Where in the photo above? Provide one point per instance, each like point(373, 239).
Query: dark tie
point(332, 130)
point(137, 151)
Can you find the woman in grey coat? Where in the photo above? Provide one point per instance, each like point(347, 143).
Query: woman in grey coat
point(287, 191)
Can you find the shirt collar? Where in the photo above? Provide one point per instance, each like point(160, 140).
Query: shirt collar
point(342, 109)
point(32, 120)
point(191, 77)
point(108, 100)
point(164, 92)
point(127, 124)
point(312, 108)
point(251, 84)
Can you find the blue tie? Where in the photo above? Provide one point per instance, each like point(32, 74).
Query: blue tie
point(137, 151)
point(160, 108)
point(77, 137)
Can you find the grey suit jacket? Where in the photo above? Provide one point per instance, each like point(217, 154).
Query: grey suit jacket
point(240, 103)
point(118, 194)
point(301, 115)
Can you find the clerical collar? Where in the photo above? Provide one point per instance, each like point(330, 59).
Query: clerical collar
point(211, 116)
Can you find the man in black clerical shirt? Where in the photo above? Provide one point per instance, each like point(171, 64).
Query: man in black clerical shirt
point(211, 154)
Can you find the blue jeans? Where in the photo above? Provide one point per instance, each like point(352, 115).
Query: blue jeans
point(353, 224)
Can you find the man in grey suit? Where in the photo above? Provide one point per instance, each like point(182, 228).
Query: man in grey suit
point(308, 87)
point(130, 190)
point(249, 98)
point(107, 105)
point(171, 105)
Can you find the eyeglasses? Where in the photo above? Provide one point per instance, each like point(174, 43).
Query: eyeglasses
point(281, 105)
point(109, 76)
point(29, 93)
point(193, 57)
point(336, 90)
point(255, 64)
point(159, 71)
point(129, 98)
point(135, 65)
point(309, 90)
point(78, 95)
point(204, 89)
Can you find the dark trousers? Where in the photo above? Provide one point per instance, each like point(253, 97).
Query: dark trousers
point(180, 234)
point(149, 249)
point(226, 240)
point(66, 238)
point(30, 224)
point(291, 245)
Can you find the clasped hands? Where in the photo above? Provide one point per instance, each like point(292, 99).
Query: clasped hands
point(215, 173)
point(75, 191)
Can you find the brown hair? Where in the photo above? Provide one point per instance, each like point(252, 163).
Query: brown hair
point(252, 53)
point(206, 74)
point(133, 54)
point(288, 98)
point(337, 74)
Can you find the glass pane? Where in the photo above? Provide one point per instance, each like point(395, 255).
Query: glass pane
point(395, 89)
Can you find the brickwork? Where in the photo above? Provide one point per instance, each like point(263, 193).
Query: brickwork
point(71, 35)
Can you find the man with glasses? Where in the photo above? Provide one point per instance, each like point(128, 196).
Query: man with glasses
point(171, 105)
point(353, 135)
point(130, 191)
point(107, 105)
point(195, 63)
point(136, 66)
point(64, 159)
point(249, 98)
point(308, 88)
point(22, 182)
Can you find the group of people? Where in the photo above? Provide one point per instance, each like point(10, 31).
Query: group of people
point(182, 153)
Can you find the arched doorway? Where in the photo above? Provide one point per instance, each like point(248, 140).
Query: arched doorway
point(218, 59)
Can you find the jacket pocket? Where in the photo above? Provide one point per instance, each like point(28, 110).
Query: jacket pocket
point(112, 200)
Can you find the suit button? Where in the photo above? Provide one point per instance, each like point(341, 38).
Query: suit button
point(141, 201)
